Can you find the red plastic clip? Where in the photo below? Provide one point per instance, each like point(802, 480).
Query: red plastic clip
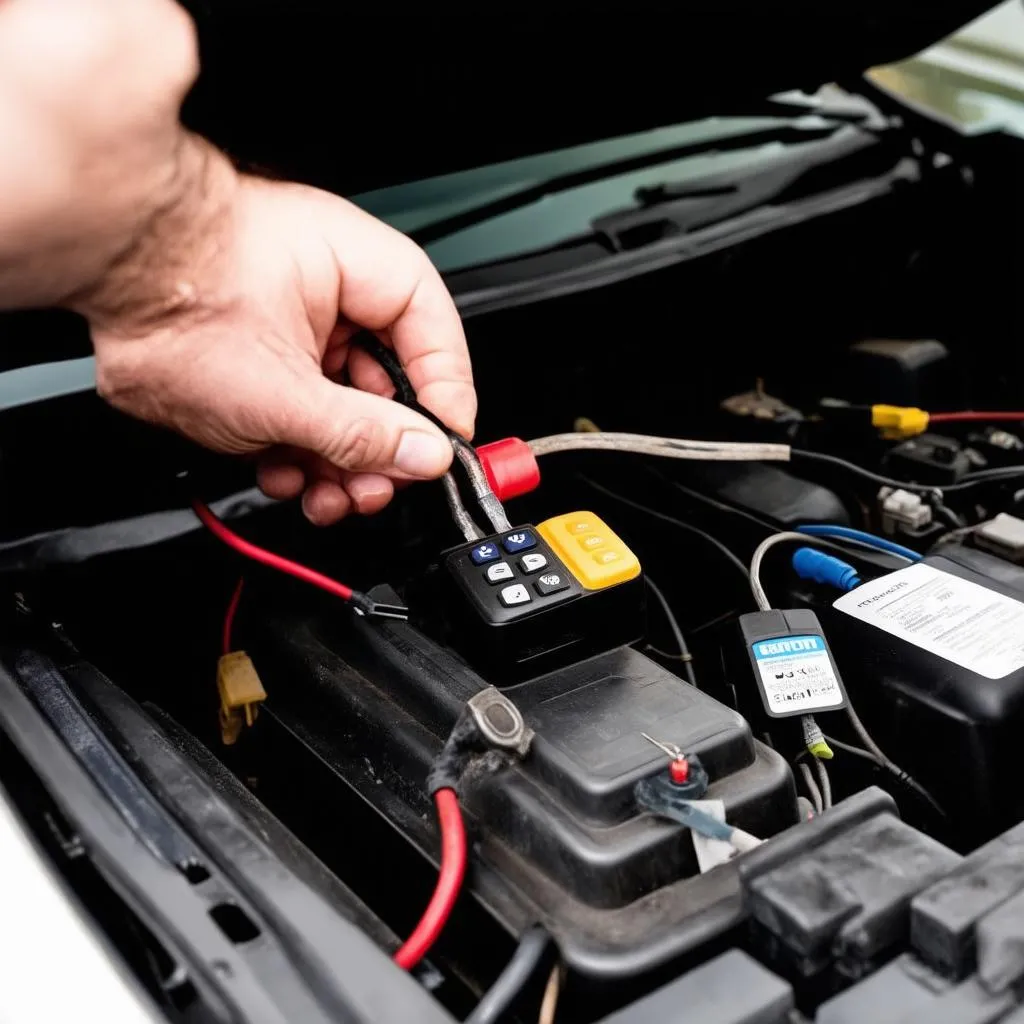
point(510, 466)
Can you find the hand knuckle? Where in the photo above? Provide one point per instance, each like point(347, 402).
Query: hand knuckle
point(361, 442)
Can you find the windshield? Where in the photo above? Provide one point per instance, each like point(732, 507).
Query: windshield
point(567, 212)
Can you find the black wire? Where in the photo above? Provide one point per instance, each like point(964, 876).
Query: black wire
point(799, 454)
point(981, 476)
point(528, 957)
point(714, 541)
point(985, 476)
point(684, 650)
point(847, 550)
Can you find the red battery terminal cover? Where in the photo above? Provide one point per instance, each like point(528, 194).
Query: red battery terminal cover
point(679, 771)
point(510, 466)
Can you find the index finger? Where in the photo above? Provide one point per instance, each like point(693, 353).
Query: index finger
point(388, 285)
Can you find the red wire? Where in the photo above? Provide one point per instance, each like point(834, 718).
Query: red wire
point(229, 615)
point(975, 417)
point(449, 881)
point(258, 554)
point(453, 832)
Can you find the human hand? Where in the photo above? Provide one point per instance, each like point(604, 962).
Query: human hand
point(230, 322)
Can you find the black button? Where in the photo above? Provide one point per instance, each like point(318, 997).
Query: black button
point(551, 583)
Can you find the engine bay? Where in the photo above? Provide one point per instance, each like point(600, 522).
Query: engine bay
point(726, 682)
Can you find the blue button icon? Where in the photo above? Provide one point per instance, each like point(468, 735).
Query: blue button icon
point(522, 541)
point(483, 553)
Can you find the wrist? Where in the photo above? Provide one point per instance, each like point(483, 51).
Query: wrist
point(169, 265)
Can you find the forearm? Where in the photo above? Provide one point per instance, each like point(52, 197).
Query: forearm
point(95, 161)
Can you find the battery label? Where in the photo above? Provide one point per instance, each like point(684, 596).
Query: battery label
point(959, 620)
point(797, 675)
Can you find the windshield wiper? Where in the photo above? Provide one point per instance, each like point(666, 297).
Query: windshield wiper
point(786, 134)
point(672, 208)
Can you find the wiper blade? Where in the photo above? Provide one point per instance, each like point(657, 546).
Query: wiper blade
point(786, 134)
point(676, 208)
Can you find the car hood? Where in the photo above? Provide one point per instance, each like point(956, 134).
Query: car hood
point(328, 94)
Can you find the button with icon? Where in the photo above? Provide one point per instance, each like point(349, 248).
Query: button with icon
point(521, 541)
point(484, 553)
point(551, 583)
point(533, 563)
point(499, 572)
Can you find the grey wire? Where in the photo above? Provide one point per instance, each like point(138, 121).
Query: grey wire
point(486, 498)
point(684, 650)
point(824, 782)
point(668, 447)
point(760, 597)
point(518, 972)
point(462, 518)
point(812, 786)
point(849, 748)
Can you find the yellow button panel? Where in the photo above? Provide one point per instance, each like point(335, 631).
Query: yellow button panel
point(590, 550)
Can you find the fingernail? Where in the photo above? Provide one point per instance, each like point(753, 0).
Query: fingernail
point(422, 455)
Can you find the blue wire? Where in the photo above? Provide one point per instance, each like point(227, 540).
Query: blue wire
point(881, 543)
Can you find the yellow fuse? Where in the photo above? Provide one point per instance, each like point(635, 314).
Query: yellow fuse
point(590, 550)
point(241, 694)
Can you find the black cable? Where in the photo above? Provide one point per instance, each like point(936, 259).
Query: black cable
point(847, 549)
point(714, 541)
point(801, 455)
point(985, 476)
point(981, 476)
point(530, 954)
point(684, 650)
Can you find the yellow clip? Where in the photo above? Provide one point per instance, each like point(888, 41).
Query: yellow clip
point(241, 694)
point(897, 422)
point(583, 425)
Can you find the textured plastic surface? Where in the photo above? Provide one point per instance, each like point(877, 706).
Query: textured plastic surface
point(972, 724)
point(848, 899)
point(904, 992)
point(731, 989)
point(557, 835)
point(945, 918)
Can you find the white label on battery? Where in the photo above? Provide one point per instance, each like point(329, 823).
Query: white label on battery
point(797, 674)
point(959, 620)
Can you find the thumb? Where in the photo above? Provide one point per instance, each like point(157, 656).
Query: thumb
point(362, 432)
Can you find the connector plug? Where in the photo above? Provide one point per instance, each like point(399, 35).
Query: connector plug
point(241, 693)
point(810, 564)
point(898, 422)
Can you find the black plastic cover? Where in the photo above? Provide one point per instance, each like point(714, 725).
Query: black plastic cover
point(973, 724)
point(731, 989)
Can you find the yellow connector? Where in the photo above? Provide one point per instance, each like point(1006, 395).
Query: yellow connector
point(241, 694)
point(897, 422)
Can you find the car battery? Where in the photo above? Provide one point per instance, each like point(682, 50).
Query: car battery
point(933, 659)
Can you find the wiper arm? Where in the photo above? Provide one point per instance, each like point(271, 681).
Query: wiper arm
point(787, 134)
point(676, 208)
